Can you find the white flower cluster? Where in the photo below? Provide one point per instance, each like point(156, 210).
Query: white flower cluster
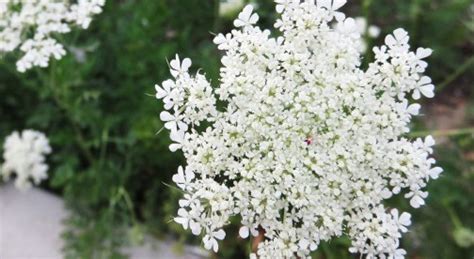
point(30, 26)
point(24, 155)
point(308, 145)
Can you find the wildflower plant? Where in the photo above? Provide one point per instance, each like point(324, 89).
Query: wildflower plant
point(308, 145)
point(33, 27)
point(24, 155)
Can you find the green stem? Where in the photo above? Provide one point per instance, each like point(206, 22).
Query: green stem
point(122, 193)
point(215, 26)
point(366, 4)
point(103, 145)
point(415, 11)
point(442, 133)
point(82, 142)
point(366, 12)
point(454, 218)
point(459, 71)
point(129, 203)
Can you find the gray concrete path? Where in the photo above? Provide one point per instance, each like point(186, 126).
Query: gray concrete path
point(30, 228)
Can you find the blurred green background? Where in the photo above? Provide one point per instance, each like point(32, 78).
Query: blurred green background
point(97, 106)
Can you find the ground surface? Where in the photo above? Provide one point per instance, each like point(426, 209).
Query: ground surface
point(30, 227)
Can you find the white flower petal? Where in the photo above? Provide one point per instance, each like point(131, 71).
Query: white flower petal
point(195, 228)
point(429, 141)
point(423, 53)
point(175, 147)
point(414, 109)
point(435, 172)
point(175, 63)
point(416, 94)
point(220, 234)
point(186, 64)
point(182, 221)
point(427, 90)
point(166, 116)
point(244, 232)
point(405, 219)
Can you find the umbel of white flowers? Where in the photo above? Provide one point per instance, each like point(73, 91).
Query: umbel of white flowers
point(308, 145)
point(30, 26)
point(24, 155)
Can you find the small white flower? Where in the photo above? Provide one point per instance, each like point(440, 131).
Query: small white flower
point(183, 218)
point(173, 122)
point(177, 137)
point(417, 198)
point(422, 53)
point(178, 67)
point(348, 26)
point(282, 4)
point(245, 231)
point(222, 41)
point(404, 220)
point(424, 87)
point(399, 37)
point(333, 6)
point(210, 239)
point(170, 95)
point(374, 31)
point(246, 17)
point(414, 109)
point(399, 254)
point(195, 228)
point(303, 244)
point(183, 179)
point(435, 172)
point(427, 144)
point(24, 155)
point(164, 91)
